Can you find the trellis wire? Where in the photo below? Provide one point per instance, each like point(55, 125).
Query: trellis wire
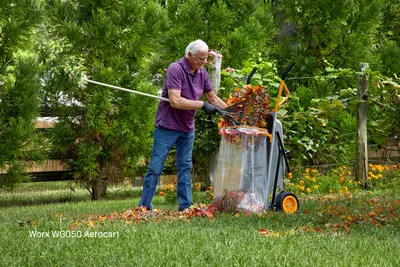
point(319, 77)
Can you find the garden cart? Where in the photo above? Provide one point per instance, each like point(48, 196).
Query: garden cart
point(284, 201)
point(250, 165)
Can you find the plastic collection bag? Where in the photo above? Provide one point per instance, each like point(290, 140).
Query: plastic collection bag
point(239, 173)
point(233, 201)
point(252, 202)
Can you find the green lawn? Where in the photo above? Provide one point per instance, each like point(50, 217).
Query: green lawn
point(58, 192)
point(335, 230)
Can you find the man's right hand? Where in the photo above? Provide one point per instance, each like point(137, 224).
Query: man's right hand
point(209, 108)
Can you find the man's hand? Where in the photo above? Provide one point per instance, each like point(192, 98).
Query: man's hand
point(208, 108)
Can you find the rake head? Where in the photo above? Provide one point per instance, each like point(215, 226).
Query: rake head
point(233, 114)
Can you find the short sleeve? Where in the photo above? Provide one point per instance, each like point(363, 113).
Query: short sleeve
point(174, 77)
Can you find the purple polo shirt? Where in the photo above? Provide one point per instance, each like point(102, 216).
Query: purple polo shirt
point(192, 86)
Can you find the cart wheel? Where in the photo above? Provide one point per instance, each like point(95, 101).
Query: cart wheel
point(287, 202)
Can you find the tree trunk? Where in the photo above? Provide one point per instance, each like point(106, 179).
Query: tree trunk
point(99, 186)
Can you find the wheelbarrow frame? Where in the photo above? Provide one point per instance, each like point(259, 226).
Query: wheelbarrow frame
point(276, 156)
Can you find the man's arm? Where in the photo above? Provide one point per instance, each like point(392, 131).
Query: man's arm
point(179, 102)
point(213, 99)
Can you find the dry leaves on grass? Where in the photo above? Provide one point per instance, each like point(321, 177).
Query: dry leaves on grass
point(330, 215)
point(142, 215)
point(338, 214)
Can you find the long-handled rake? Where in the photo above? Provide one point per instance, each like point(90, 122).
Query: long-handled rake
point(229, 114)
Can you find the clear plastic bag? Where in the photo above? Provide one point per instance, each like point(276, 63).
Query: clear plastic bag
point(251, 202)
point(239, 173)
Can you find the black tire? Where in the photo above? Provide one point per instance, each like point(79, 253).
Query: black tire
point(287, 202)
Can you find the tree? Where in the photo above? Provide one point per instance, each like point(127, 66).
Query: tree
point(341, 32)
point(321, 36)
point(20, 143)
point(388, 38)
point(235, 28)
point(101, 133)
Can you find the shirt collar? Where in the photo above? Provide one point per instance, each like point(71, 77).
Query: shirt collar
point(186, 66)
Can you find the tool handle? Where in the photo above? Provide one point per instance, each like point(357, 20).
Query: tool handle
point(127, 90)
point(251, 74)
point(287, 70)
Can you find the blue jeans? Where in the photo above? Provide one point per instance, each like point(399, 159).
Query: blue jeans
point(164, 140)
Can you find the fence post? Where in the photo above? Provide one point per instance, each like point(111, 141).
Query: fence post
point(361, 171)
point(215, 73)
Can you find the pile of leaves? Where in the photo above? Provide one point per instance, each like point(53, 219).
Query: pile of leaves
point(141, 215)
point(254, 101)
point(237, 201)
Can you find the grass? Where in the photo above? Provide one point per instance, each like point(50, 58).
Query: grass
point(57, 192)
point(333, 230)
point(337, 225)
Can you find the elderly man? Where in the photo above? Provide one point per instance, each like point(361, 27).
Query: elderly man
point(185, 82)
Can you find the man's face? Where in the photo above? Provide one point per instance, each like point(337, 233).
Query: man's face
point(196, 61)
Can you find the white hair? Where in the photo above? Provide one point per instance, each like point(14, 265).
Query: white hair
point(196, 46)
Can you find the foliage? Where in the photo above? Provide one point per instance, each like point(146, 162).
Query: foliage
point(319, 134)
point(170, 195)
point(101, 134)
point(266, 75)
point(342, 32)
point(341, 180)
point(390, 26)
point(320, 127)
point(251, 102)
point(389, 53)
point(235, 28)
point(384, 105)
point(20, 143)
point(311, 130)
point(206, 145)
point(388, 41)
point(169, 192)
